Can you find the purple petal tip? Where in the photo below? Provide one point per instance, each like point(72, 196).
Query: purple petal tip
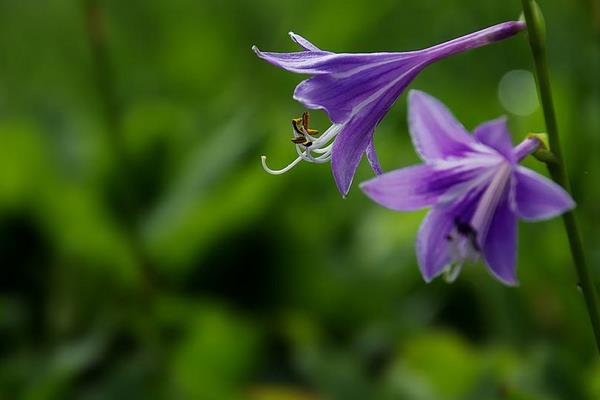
point(415, 94)
point(343, 185)
point(260, 54)
point(429, 276)
point(508, 282)
point(366, 188)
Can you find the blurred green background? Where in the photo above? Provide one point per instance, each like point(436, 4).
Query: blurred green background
point(146, 255)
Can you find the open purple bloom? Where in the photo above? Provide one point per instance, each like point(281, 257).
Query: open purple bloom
point(475, 187)
point(356, 91)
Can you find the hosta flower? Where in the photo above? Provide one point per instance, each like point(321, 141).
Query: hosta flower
point(475, 187)
point(356, 91)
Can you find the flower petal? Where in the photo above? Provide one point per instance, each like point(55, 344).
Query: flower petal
point(347, 151)
point(420, 186)
point(317, 62)
point(357, 133)
point(432, 243)
point(302, 42)
point(343, 92)
point(405, 189)
point(537, 197)
point(302, 62)
point(495, 134)
point(434, 130)
point(433, 240)
point(372, 158)
point(500, 247)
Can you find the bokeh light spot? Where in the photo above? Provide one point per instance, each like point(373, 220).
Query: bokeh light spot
point(517, 92)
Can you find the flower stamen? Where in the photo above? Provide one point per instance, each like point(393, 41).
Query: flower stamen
point(309, 146)
point(452, 271)
point(464, 248)
point(467, 231)
point(303, 135)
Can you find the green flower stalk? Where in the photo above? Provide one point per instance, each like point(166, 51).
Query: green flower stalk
point(537, 37)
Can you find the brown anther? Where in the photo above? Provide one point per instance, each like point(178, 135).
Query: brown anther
point(299, 140)
point(305, 119)
point(301, 128)
point(295, 125)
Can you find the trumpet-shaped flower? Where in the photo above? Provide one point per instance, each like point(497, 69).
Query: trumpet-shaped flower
point(356, 91)
point(476, 190)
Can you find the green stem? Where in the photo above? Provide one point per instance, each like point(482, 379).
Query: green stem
point(536, 30)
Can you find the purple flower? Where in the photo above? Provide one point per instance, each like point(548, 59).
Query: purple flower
point(475, 187)
point(356, 91)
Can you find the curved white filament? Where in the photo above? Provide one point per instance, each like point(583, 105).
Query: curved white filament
point(263, 160)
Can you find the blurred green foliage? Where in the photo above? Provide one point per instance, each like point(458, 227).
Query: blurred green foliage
point(146, 255)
